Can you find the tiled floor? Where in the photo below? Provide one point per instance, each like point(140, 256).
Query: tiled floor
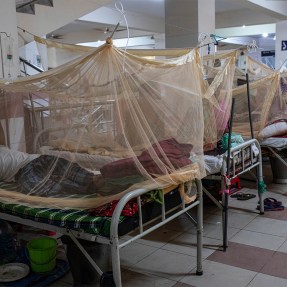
point(256, 255)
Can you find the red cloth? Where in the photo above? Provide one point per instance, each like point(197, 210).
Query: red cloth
point(178, 155)
point(130, 209)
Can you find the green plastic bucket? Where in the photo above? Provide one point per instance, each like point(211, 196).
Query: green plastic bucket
point(42, 254)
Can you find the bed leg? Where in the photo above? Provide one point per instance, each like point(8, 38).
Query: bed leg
point(260, 193)
point(116, 265)
point(107, 280)
point(199, 270)
point(225, 211)
point(260, 181)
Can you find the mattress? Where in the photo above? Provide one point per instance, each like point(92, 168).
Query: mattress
point(83, 220)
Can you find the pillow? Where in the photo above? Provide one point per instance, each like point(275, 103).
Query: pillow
point(275, 129)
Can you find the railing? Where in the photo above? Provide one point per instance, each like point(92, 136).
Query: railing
point(38, 114)
point(25, 62)
point(29, 6)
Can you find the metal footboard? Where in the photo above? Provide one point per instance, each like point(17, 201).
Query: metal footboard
point(235, 171)
point(116, 245)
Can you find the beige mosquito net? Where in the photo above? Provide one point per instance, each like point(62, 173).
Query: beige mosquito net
point(265, 99)
point(266, 102)
point(106, 123)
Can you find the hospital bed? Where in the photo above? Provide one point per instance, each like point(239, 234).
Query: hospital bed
point(244, 158)
point(79, 224)
point(115, 231)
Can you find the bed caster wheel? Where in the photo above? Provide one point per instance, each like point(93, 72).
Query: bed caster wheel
point(107, 280)
point(199, 273)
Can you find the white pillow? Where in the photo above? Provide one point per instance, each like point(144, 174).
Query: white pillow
point(276, 129)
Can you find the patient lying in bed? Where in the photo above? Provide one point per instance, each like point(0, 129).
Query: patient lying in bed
point(52, 176)
point(45, 175)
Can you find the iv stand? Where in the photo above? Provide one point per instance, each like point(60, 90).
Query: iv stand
point(4, 94)
point(2, 59)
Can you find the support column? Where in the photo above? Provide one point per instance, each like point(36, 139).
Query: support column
point(280, 46)
point(185, 20)
point(9, 67)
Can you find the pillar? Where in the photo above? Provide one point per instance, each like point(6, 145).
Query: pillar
point(11, 105)
point(185, 20)
point(281, 44)
point(8, 27)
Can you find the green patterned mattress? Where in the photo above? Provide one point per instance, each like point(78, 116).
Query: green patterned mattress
point(83, 220)
point(68, 218)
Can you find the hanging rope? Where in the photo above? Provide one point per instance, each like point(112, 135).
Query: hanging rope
point(119, 7)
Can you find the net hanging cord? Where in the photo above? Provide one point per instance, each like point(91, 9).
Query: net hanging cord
point(120, 8)
point(202, 43)
point(25, 31)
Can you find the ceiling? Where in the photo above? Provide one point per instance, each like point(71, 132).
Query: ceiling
point(229, 14)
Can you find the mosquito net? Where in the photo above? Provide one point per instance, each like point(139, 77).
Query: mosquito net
point(264, 98)
point(104, 124)
point(222, 71)
point(266, 102)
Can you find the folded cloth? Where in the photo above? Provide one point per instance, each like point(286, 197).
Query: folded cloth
point(159, 159)
point(213, 164)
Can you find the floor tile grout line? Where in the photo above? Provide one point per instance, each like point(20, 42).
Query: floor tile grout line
point(257, 273)
point(282, 245)
point(133, 264)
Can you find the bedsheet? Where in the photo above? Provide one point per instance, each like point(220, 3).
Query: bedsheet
point(274, 142)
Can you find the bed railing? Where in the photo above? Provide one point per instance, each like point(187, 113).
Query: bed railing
point(38, 119)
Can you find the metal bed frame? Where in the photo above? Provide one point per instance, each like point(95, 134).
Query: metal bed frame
point(117, 243)
point(281, 158)
point(37, 113)
point(276, 155)
point(255, 162)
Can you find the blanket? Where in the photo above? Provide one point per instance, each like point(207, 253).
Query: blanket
point(162, 157)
